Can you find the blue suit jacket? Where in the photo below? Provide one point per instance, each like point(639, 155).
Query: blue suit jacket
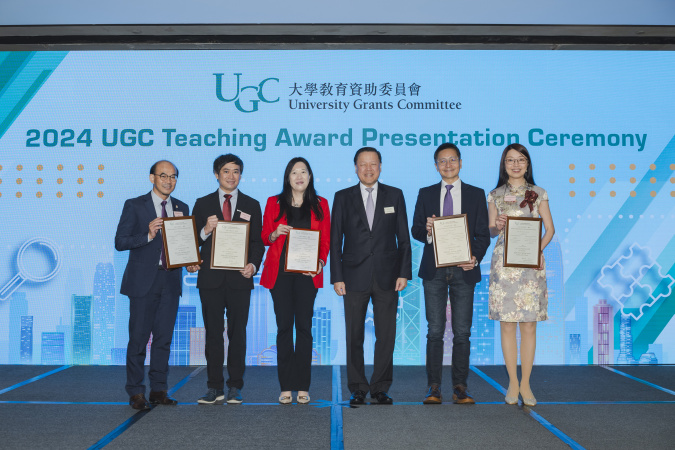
point(473, 205)
point(132, 234)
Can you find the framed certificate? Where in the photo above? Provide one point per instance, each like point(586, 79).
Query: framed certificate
point(451, 240)
point(522, 242)
point(302, 250)
point(229, 245)
point(179, 235)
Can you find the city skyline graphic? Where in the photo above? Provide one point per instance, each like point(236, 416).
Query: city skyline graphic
point(89, 333)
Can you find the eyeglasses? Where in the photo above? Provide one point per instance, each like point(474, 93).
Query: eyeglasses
point(443, 162)
point(513, 162)
point(165, 177)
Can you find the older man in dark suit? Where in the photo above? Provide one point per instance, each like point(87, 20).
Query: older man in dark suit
point(450, 197)
point(153, 290)
point(370, 258)
point(230, 290)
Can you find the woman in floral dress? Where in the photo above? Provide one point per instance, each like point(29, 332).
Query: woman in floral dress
point(518, 295)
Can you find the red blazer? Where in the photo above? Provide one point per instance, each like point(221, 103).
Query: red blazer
point(271, 264)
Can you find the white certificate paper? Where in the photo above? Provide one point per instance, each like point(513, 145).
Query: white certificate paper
point(522, 242)
point(451, 240)
point(302, 250)
point(229, 246)
point(180, 241)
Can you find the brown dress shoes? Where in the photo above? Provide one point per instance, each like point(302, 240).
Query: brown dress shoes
point(461, 395)
point(162, 398)
point(139, 402)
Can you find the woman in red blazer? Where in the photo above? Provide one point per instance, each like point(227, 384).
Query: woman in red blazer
point(294, 293)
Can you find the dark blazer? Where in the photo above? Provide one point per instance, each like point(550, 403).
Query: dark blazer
point(356, 252)
point(209, 205)
point(473, 205)
point(132, 234)
point(271, 268)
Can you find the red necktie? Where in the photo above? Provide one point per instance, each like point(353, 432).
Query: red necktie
point(227, 208)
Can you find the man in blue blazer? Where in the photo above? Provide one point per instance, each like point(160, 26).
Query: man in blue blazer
point(221, 290)
point(450, 197)
point(370, 257)
point(153, 290)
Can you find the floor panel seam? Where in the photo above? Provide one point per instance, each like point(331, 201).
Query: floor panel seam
point(108, 438)
point(30, 380)
point(336, 425)
point(631, 377)
point(536, 416)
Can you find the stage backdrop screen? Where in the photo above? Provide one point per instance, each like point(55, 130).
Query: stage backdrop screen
point(79, 132)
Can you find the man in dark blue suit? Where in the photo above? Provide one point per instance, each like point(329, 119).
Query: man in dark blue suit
point(450, 197)
point(153, 290)
point(370, 257)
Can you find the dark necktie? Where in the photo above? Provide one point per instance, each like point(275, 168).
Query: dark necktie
point(162, 256)
point(227, 208)
point(447, 202)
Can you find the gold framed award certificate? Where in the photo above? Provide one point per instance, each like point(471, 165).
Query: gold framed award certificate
point(302, 250)
point(451, 240)
point(229, 245)
point(522, 242)
point(179, 235)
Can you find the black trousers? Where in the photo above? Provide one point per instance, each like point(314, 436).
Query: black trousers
point(293, 295)
point(154, 313)
point(214, 304)
point(385, 304)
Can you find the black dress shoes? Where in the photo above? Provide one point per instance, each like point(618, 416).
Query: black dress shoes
point(139, 402)
point(162, 398)
point(382, 398)
point(358, 398)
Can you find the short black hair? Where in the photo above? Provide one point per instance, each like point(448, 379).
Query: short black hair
point(226, 159)
point(154, 166)
point(445, 146)
point(367, 149)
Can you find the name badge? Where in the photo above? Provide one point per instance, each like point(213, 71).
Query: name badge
point(178, 214)
point(389, 210)
point(509, 198)
point(246, 217)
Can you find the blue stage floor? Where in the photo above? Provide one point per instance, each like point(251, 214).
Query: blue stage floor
point(589, 407)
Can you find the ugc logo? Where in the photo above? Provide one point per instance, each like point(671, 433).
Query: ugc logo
point(253, 95)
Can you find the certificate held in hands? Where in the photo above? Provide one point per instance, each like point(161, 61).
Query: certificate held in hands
point(302, 251)
point(229, 245)
point(522, 242)
point(451, 240)
point(180, 241)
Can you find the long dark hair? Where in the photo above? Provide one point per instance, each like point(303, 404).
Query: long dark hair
point(310, 201)
point(503, 176)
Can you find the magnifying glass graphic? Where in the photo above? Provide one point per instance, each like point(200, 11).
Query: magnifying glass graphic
point(28, 270)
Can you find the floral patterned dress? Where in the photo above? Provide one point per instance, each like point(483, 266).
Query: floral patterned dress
point(516, 295)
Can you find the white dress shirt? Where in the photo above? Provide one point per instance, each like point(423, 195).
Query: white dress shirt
point(456, 193)
point(157, 202)
point(221, 199)
point(364, 193)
